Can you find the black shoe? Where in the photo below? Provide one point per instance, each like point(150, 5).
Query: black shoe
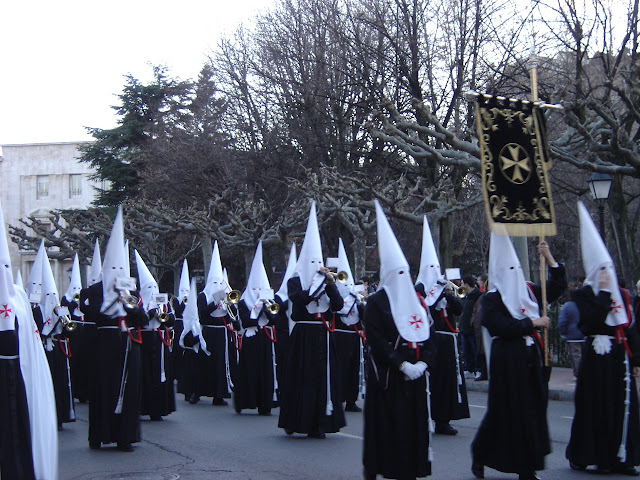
point(219, 402)
point(626, 470)
point(352, 407)
point(125, 447)
point(317, 435)
point(94, 445)
point(264, 413)
point(369, 476)
point(288, 432)
point(528, 476)
point(575, 466)
point(194, 399)
point(480, 378)
point(156, 418)
point(478, 470)
point(445, 429)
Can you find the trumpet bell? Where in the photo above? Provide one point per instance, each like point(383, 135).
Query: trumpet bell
point(234, 296)
point(163, 317)
point(76, 297)
point(68, 324)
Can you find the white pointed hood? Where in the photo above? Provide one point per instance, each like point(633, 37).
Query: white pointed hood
point(18, 280)
point(595, 257)
point(75, 284)
point(214, 289)
point(410, 317)
point(309, 262)
point(148, 284)
point(95, 273)
point(283, 293)
point(258, 288)
point(8, 300)
point(127, 263)
point(350, 310)
point(430, 274)
point(34, 281)
point(184, 288)
point(114, 265)
point(191, 321)
point(507, 277)
point(49, 299)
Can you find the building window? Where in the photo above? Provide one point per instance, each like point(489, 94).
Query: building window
point(75, 186)
point(43, 186)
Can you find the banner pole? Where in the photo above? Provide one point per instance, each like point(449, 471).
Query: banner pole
point(533, 62)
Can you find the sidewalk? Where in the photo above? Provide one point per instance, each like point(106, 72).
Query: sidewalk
point(561, 384)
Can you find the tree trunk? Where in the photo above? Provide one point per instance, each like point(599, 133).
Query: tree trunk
point(622, 235)
point(359, 246)
point(207, 250)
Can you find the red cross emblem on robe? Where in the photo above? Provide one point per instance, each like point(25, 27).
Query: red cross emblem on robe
point(6, 310)
point(415, 321)
point(616, 307)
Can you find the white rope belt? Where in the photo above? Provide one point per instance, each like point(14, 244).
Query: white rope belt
point(8, 357)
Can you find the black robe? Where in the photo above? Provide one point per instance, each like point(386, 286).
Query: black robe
point(215, 370)
point(281, 323)
point(157, 396)
point(597, 428)
point(253, 382)
point(513, 436)
point(448, 387)
point(111, 346)
point(82, 341)
point(177, 352)
point(59, 365)
point(349, 348)
point(16, 461)
point(304, 402)
point(396, 413)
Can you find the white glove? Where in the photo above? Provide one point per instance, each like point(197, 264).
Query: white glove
point(411, 371)
point(422, 365)
point(250, 332)
point(601, 344)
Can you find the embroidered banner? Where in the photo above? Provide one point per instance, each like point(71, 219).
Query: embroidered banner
point(515, 161)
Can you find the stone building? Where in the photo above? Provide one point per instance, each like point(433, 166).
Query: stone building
point(38, 178)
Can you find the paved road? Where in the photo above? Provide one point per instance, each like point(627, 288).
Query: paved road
point(202, 442)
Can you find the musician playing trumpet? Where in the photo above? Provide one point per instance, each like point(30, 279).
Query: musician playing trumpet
point(218, 330)
point(311, 401)
point(157, 395)
point(255, 379)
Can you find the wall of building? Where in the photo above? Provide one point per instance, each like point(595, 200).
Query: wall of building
point(22, 169)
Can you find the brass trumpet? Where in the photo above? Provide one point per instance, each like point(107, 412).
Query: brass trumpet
point(461, 292)
point(340, 276)
point(273, 307)
point(185, 300)
point(68, 324)
point(163, 317)
point(127, 300)
point(76, 297)
point(233, 296)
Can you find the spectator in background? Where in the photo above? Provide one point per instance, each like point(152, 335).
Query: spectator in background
point(636, 301)
point(571, 334)
point(467, 333)
point(366, 281)
point(481, 360)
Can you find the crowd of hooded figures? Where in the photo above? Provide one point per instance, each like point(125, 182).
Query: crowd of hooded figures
point(310, 349)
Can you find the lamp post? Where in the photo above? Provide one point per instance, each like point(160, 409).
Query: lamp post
point(599, 186)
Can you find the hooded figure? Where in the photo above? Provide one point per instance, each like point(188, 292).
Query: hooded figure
point(283, 322)
point(56, 344)
point(312, 401)
point(27, 402)
point(430, 275)
point(218, 332)
point(34, 281)
point(517, 383)
point(398, 337)
point(19, 279)
point(80, 338)
point(606, 429)
point(158, 397)
point(179, 304)
point(254, 379)
point(348, 334)
point(114, 403)
point(95, 273)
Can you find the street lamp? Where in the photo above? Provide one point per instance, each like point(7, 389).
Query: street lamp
point(599, 186)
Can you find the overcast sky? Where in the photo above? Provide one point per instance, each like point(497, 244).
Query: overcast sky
point(62, 62)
